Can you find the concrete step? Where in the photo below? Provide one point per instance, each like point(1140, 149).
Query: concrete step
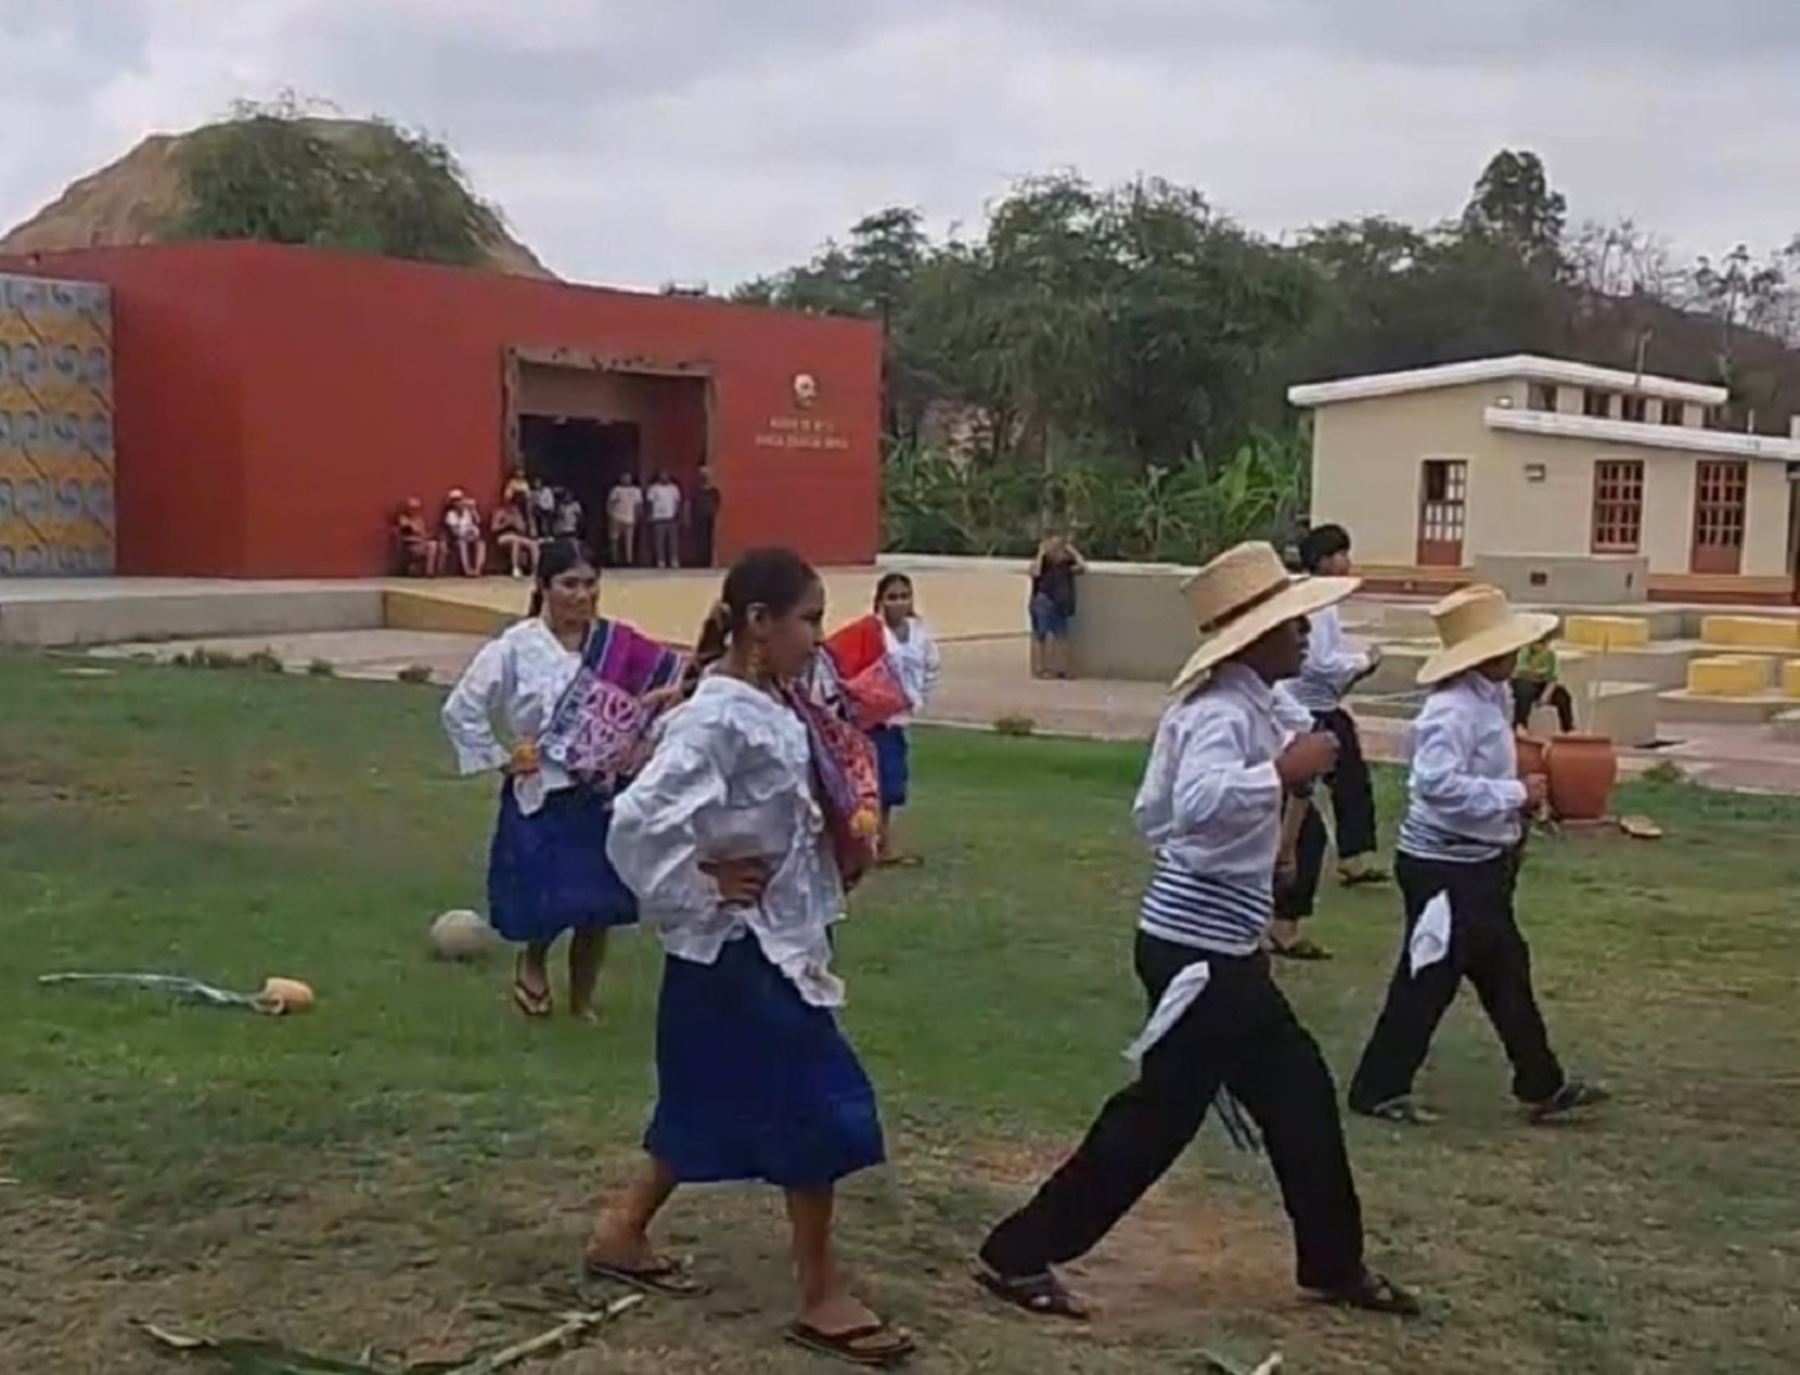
point(146, 612)
point(1682, 705)
point(1786, 727)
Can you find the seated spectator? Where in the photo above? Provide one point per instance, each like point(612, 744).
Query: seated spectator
point(421, 552)
point(462, 533)
point(512, 538)
point(1534, 681)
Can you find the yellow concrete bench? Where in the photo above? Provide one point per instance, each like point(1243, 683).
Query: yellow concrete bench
point(1731, 675)
point(1790, 678)
point(1750, 632)
point(1607, 632)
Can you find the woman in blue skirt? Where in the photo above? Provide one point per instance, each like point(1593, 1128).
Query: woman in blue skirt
point(912, 654)
point(726, 845)
point(547, 868)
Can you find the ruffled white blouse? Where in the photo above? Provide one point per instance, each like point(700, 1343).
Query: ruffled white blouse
point(515, 681)
point(731, 779)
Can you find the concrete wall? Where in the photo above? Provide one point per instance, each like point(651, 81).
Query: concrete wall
point(1367, 457)
point(275, 404)
point(1132, 622)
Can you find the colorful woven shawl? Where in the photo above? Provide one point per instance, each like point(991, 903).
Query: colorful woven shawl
point(600, 731)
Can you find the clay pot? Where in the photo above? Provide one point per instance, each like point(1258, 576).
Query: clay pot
point(1532, 754)
point(1583, 769)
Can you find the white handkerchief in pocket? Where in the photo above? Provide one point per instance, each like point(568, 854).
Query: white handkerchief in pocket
point(1431, 937)
point(1177, 998)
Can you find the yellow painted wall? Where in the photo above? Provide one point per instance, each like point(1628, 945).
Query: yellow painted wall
point(1367, 457)
point(56, 427)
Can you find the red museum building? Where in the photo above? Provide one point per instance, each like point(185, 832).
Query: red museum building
point(273, 405)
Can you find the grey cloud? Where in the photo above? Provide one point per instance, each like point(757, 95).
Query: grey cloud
point(638, 142)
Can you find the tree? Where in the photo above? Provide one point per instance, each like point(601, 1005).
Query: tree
point(280, 174)
point(1513, 203)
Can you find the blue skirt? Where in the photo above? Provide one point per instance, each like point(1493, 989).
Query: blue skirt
point(548, 873)
point(753, 1083)
point(893, 763)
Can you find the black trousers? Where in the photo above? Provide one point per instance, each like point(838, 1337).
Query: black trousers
point(1241, 1034)
point(1486, 948)
point(1352, 808)
point(1528, 692)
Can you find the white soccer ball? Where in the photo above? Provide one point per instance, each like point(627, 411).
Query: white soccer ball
point(461, 935)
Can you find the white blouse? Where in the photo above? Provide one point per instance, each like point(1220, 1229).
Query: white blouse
point(732, 779)
point(516, 679)
point(915, 662)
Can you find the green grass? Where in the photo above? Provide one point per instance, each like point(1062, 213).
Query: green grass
point(386, 1170)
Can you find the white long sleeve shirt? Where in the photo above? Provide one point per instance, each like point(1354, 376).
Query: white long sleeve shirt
point(915, 662)
point(1210, 808)
point(515, 682)
point(1463, 794)
point(1331, 665)
point(731, 779)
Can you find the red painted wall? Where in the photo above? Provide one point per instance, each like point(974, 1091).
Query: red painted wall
point(274, 404)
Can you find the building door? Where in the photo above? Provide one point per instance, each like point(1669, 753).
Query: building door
point(1443, 506)
point(1720, 491)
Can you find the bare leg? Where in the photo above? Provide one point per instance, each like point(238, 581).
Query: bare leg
point(826, 1303)
point(587, 952)
point(621, 1235)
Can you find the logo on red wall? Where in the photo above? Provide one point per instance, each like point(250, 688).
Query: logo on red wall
point(806, 391)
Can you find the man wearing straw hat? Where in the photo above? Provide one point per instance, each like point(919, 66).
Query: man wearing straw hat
point(1457, 865)
point(1210, 806)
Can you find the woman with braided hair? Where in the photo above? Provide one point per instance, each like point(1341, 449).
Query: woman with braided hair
point(724, 838)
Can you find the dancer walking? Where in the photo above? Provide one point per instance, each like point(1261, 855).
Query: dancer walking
point(1211, 805)
point(574, 694)
point(1458, 867)
point(729, 849)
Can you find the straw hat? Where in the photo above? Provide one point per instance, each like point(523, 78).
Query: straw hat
point(1241, 596)
point(1478, 624)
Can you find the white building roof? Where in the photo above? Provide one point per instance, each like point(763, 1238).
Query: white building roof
point(1726, 443)
point(1555, 371)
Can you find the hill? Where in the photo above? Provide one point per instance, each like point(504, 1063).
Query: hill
point(131, 201)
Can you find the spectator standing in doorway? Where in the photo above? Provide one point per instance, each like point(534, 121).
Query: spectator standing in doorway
point(624, 504)
point(665, 521)
point(704, 518)
point(543, 509)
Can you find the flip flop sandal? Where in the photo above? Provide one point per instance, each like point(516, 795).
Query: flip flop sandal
point(667, 1278)
point(532, 1002)
point(1363, 878)
point(853, 1346)
point(1371, 1293)
point(1301, 949)
point(1042, 1296)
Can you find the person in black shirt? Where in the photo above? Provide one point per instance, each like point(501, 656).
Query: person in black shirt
point(1053, 572)
point(703, 516)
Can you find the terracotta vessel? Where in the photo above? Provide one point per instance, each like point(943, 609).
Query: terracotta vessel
point(1583, 769)
point(1531, 752)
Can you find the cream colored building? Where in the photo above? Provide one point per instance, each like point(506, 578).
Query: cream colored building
point(1436, 468)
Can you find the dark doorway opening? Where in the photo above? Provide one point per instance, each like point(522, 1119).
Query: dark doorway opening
point(583, 457)
point(580, 425)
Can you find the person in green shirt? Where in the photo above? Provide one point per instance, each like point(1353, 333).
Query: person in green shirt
point(1534, 681)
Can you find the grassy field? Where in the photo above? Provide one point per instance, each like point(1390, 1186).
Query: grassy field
point(391, 1171)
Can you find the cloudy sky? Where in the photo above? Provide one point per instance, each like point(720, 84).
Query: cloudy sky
point(643, 141)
